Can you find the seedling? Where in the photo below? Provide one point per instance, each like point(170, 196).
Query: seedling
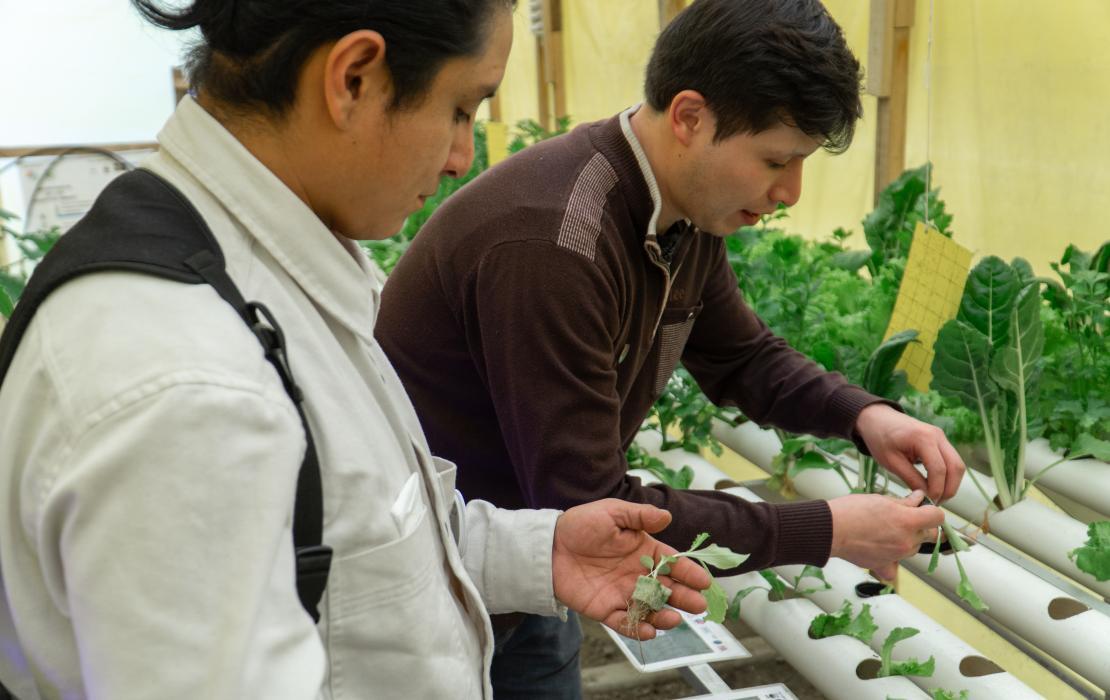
point(860, 626)
point(965, 590)
point(909, 667)
point(651, 595)
point(942, 694)
point(1094, 556)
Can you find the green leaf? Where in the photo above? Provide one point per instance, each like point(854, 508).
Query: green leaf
point(879, 376)
point(942, 694)
point(719, 557)
point(934, 560)
point(961, 366)
point(1087, 445)
point(650, 593)
point(734, 607)
point(911, 667)
point(647, 562)
point(1015, 365)
point(810, 460)
point(7, 304)
point(861, 626)
point(778, 588)
point(1094, 556)
point(702, 537)
point(988, 299)
point(850, 260)
point(664, 569)
point(966, 591)
point(716, 602)
point(811, 571)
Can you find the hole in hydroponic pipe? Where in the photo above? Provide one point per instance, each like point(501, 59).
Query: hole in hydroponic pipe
point(725, 484)
point(976, 666)
point(869, 589)
point(868, 669)
point(928, 547)
point(1063, 608)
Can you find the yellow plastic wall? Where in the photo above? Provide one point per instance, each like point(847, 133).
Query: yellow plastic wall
point(1020, 95)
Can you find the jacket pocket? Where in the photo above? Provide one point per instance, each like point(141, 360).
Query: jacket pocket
point(395, 625)
point(674, 329)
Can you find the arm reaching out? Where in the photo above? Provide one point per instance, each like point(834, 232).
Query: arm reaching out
point(898, 441)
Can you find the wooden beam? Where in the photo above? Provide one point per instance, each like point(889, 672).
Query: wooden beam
point(20, 151)
point(495, 107)
point(553, 98)
point(668, 9)
point(888, 79)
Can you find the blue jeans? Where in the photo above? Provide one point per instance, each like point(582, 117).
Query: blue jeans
point(538, 660)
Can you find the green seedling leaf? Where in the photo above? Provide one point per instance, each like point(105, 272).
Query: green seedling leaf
point(1094, 556)
point(734, 606)
point(778, 588)
point(966, 591)
point(716, 602)
point(910, 667)
point(647, 562)
point(942, 694)
point(650, 593)
point(861, 626)
point(1087, 445)
point(950, 533)
point(702, 537)
point(934, 560)
point(664, 569)
point(810, 460)
point(718, 556)
point(814, 572)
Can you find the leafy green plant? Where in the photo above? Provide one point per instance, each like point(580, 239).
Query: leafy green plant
point(683, 416)
point(964, 589)
point(882, 378)
point(987, 357)
point(909, 667)
point(650, 595)
point(942, 694)
point(638, 458)
point(902, 204)
point(1094, 556)
point(801, 453)
point(32, 247)
point(861, 626)
point(1076, 317)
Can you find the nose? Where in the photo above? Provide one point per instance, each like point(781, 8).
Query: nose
point(788, 187)
point(461, 156)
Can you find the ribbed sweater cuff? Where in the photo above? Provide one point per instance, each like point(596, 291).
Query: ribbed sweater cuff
point(847, 403)
point(805, 533)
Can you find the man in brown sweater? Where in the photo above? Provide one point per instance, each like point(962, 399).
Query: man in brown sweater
point(541, 310)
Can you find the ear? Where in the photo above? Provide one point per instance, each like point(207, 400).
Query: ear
point(689, 117)
point(355, 74)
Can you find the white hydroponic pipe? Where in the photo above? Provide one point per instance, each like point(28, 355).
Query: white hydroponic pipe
point(829, 664)
point(1085, 481)
point(959, 666)
point(706, 476)
point(1045, 534)
point(1055, 622)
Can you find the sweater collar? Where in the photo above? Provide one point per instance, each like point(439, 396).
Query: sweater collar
point(333, 271)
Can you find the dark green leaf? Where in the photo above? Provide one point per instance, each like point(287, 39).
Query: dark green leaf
point(988, 299)
point(1094, 556)
point(778, 588)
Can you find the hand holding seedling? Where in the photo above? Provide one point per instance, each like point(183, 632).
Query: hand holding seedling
point(876, 532)
point(596, 563)
point(898, 441)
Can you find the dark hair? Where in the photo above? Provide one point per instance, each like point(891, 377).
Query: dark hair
point(252, 51)
point(758, 62)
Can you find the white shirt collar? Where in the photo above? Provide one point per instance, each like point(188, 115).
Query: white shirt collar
point(334, 272)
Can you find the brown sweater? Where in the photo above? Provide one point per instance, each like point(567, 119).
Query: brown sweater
point(534, 321)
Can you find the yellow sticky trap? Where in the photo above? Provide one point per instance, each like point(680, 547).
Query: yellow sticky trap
point(929, 297)
point(497, 142)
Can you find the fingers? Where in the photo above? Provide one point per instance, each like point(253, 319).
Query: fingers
point(638, 516)
point(956, 469)
point(886, 572)
point(936, 469)
point(691, 574)
point(914, 499)
point(684, 597)
point(897, 463)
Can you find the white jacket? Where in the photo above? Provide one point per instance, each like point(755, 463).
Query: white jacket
point(148, 464)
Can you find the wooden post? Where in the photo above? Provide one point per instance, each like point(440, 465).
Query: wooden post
point(668, 9)
point(549, 61)
point(888, 79)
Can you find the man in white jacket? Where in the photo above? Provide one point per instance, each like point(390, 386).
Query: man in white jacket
point(150, 454)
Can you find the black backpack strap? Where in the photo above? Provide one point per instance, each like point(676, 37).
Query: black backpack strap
point(141, 223)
